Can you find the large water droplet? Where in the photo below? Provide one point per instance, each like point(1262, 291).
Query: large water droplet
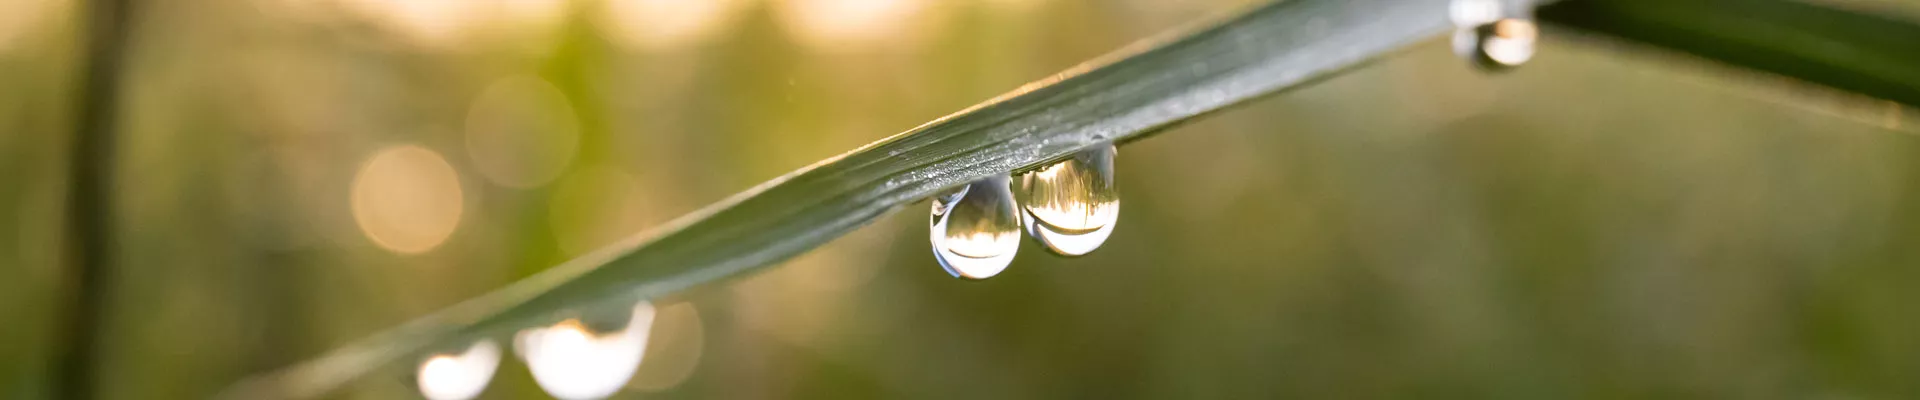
point(458, 376)
point(976, 229)
point(572, 360)
point(1072, 206)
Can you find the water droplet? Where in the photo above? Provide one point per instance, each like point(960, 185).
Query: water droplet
point(583, 360)
point(458, 376)
point(1072, 206)
point(976, 229)
point(1500, 45)
point(1495, 35)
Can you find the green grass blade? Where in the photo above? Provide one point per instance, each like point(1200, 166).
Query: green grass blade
point(1868, 54)
point(1119, 97)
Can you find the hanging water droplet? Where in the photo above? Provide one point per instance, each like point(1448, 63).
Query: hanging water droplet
point(976, 229)
point(1503, 44)
point(1072, 206)
point(573, 360)
point(458, 376)
point(1495, 35)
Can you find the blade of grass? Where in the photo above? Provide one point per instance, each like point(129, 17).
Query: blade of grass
point(1119, 97)
point(1867, 54)
point(89, 240)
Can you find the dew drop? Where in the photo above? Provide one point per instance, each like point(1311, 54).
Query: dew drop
point(1492, 34)
point(1072, 206)
point(458, 376)
point(577, 359)
point(1504, 44)
point(976, 229)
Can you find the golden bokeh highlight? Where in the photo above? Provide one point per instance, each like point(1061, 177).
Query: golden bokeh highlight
point(407, 199)
point(452, 22)
point(521, 132)
point(842, 25)
point(673, 353)
point(666, 24)
point(18, 18)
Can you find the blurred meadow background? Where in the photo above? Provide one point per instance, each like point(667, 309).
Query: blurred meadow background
point(1604, 222)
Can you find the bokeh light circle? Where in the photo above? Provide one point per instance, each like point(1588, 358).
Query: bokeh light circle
point(407, 199)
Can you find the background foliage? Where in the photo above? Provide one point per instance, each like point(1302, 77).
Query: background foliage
point(1603, 222)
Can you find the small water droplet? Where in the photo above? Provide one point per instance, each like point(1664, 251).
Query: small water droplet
point(1500, 45)
point(976, 229)
point(458, 376)
point(1494, 34)
point(574, 360)
point(1072, 206)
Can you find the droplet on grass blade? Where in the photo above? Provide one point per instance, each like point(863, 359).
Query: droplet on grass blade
point(458, 376)
point(1072, 206)
point(976, 229)
point(577, 359)
point(1494, 35)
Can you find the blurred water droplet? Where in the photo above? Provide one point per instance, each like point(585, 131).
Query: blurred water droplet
point(976, 230)
point(407, 199)
point(458, 376)
point(1503, 44)
point(1072, 206)
point(573, 360)
point(1493, 34)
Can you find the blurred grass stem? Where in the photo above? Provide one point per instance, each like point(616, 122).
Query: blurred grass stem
point(89, 231)
point(1869, 54)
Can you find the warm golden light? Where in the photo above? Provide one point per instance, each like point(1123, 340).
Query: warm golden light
point(17, 18)
point(666, 24)
point(458, 376)
point(673, 351)
point(449, 22)
point(521, 132)
point(853, 24)
point(407, 199)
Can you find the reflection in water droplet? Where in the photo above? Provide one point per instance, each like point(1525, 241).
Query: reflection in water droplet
point(1072, 206)
point(976, 230)
point(571, 361)
point(449, 376)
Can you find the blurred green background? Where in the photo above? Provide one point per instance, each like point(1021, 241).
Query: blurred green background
point(1604, 222)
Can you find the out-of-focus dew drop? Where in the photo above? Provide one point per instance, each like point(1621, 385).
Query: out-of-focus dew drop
point(569, 360)
point(458, 376)
point(673, 349)
point(1494, 35)
point(431, 22)
point(1504, 44)
point(594, 206)
point(1072, 206)
point(17, 19)
point(445, 23)
point(666, 24)
point(521, 132)
point(406, 199)
point(976, 230)
point(839, 25)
